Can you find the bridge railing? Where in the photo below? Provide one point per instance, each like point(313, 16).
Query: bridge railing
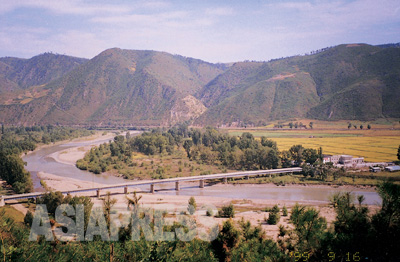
point(151, 183)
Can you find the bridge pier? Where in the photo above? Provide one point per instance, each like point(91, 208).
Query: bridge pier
point(201, 184)
point(177, 186)
point(98, 193)
point(225, 180)
point(2, 203)
point(126, 190)
point(152, 188)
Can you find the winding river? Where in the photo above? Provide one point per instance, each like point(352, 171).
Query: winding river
point(41, 160)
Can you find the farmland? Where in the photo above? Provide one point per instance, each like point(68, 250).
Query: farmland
point(379, 144)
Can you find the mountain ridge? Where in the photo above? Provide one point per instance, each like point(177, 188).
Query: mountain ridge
point(144, 87)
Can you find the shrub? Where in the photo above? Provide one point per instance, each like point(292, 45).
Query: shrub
point(227, 211)
point(284, 211)
point(273, 218)
point(192, 205)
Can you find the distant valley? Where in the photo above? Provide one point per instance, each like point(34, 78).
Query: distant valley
point(149, 88)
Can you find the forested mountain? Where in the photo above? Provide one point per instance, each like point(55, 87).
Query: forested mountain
point(17, 73)
point(128, 87)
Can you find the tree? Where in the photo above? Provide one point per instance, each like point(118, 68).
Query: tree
point(291, 125)
point(227, 211)
point(369, 126)
point(187, 145)
point(134, 202)
point(398, 153)
point(2, 128)
point(108, 204)
point(361, 126)
point(311, 125)
point(191, 205)
point(227, 240)
point(286, 159)
point(320, 154)
point(309, 228)
point(310, 155)
point(297, 153)
point(349, 126)
point(352, 226)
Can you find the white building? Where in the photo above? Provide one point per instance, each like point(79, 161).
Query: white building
point(346, 160)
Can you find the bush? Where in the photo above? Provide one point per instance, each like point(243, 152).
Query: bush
point(284, 211)
point(209, 212)
point(273, 218)
point(192, 205)
point(227, 211)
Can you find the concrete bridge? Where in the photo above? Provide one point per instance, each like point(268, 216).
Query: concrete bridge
point(152, 183)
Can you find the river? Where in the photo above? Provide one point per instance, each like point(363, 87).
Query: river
point(41, 160)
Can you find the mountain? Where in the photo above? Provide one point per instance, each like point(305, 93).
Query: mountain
point(131, 87)
point(355, 81)
point(119, 87)
point(17, 73)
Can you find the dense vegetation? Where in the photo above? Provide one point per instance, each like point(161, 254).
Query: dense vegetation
point(17, 140)
point(129, 87)
point(355, 235)
point(209, 147)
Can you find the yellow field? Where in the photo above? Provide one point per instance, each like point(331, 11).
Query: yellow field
point(373, 149)
point(379, 144)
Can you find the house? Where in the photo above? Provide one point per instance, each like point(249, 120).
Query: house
point(343, 159)
point(392, 168)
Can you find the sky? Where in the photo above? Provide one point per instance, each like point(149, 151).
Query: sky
point(211, 30)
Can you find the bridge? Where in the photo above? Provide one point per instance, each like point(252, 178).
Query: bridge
point(152, 183)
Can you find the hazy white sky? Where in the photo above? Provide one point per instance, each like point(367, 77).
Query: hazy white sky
point(212, 30)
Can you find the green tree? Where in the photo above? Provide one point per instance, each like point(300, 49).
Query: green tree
point(349, 126)
point(296, 152)
point(386, 223)
point(361, 126)
point(187, 145)
point(227, 211)
point(309, 228)
point(291, 125)
point(352, 226)
point(398, 153)
point(310, 155)
point(192, 205)
point(311, 125)
point(286, 158)
point(369, 126)
point(227, 240)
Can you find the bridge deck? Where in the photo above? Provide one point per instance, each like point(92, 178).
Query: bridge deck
point(162, 181)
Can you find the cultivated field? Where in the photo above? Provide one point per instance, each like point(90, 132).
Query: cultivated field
point(379, 144)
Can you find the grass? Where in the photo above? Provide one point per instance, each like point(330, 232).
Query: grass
point(12, 213)
point(166, 166)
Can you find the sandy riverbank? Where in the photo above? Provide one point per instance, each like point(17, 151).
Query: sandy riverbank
point(248, 209)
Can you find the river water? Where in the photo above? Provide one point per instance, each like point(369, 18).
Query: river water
point(41, 160)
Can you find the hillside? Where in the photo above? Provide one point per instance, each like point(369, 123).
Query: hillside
point(130, 87)
point(355, 81)
point(17, 73)
point(119, 87)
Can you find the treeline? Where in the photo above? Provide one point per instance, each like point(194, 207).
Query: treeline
point(16, 140)
point(356, 234)
point(207, 146)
